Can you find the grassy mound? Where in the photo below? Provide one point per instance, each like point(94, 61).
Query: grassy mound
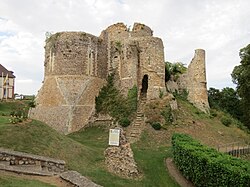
point(84, 151)
point(6, 181)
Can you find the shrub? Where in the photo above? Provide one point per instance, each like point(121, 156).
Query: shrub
point(226, 121)
point(32, 104)
point(213, 113)
point(112, 102)
point(167, 114)
point(183, 95)
point(205, 166)
point(18, 115)
point(15, 119)
point(124, 122)
point(161, 93)
point(156, 125)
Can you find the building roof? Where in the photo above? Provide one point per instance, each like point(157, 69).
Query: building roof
point(5, 72)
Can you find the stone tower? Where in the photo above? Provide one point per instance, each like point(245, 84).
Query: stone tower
point(137, 58)
point(77, 65)
point(72, 79)
point(194, 81)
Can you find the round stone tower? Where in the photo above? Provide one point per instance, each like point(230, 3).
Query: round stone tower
point(196, 81)
point(72, 80)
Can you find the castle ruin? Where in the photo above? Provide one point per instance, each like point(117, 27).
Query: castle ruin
point(77, 65)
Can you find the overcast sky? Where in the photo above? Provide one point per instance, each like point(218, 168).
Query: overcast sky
point(221, 27)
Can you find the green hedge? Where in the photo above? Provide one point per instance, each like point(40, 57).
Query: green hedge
point(205, 166)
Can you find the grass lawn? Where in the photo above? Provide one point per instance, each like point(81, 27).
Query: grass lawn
point(150, 160)
point(6, 181)
point(83, 151)
point(4, 119)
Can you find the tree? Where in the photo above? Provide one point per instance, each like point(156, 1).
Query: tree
point(174, 69)
point(241, 77)
point(214, 96)
point(227, 100)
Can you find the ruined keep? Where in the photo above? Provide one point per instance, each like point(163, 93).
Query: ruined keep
point(194, 82)
point(77, 65)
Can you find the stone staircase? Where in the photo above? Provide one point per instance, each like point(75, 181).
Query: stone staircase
point(134, 131)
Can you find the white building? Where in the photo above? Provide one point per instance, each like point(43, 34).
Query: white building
point(7, 83)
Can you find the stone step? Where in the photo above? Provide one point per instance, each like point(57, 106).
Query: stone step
point(137, 128)
point(135, 131)
point(77, 179)
point(137, 125)
point(133, 135)
point(132, 139)
point(140, 119)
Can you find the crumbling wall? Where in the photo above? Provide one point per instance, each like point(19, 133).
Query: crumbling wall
point(29, 163)
point(120, 159)
point(133, 54)
point(197, 84)
point(77, 64)
point(152, 64)
point(194, 81)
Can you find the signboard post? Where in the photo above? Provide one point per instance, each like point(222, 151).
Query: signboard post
point(114, 137)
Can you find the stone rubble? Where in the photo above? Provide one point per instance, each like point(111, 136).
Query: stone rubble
point(120, 159)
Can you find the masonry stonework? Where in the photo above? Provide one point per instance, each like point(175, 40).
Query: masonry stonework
point(77, 65)
point(194, 81)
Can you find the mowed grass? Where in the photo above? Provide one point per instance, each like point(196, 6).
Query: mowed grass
point(83, 151)
point(7, 107)
point(6, 181)
point(150, 160)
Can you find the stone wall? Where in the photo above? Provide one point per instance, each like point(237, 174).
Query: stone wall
point(77, 64)
point(29, 163)
point(197, 84)
point(67, 102)
point(133, 54)
point(194, 81)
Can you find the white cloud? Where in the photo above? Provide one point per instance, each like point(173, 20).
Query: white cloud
point(220, 27)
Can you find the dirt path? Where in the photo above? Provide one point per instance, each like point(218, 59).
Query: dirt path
point(176, 174)
point(53, 180)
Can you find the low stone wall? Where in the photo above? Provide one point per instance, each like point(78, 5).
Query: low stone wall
point(29, 163)
point(77, 179)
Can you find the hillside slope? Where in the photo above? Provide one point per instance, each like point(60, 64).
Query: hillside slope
point(83, 150)
point(207, 128)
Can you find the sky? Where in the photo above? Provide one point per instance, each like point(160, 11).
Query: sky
point(221, 27)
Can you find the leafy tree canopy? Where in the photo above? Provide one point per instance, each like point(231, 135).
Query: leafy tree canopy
point(241, 77)
point(227, 100)
point(174, 69)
